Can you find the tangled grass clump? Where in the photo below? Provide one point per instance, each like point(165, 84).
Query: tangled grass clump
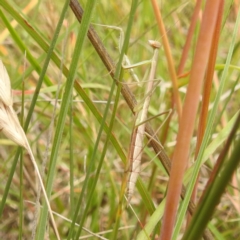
point(12, 129)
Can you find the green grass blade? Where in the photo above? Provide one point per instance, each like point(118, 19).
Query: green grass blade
point(98, 116)
point(64, 109)
point(90, 168)
point(91, 186)
point(221, 137)
point(157, 214)
point(21, 206)
point(71, 157)
point(32, 32)
point(215, 232)
point(152, 222)
point(37, 37)
point(213, 194)
point(33, 102)
point(23, 47)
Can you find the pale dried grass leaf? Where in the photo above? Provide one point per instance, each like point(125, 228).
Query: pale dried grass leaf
point(5, 86)
point(9, 123)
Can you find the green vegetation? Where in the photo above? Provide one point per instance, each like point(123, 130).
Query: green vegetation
point(79, 105)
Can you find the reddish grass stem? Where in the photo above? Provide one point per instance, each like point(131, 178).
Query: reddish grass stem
point(186, 127)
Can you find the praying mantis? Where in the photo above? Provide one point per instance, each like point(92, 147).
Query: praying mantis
point(136, 148)
point(136, 145)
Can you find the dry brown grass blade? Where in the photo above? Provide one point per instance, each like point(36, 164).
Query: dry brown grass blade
point(186, 127)
point(12, 129)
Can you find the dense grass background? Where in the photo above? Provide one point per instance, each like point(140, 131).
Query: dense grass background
point(23, 52)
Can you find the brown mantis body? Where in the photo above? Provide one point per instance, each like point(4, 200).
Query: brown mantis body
point(136, 149)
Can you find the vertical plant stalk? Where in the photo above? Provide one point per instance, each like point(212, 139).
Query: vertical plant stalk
point(170, 61)
point(64, 109)
point(21, 167)
point(208, 86)
point(136, 148)
point(189, 37)
point(209, 127)
point(186, 127)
